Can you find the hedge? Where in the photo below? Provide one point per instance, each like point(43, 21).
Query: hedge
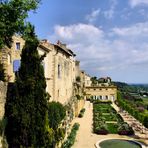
point(71, 138)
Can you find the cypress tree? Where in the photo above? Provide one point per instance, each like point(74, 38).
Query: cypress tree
point(26, 106)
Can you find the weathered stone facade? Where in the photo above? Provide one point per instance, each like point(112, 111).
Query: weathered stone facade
point(3, 91)
point(60, 67)
point(87, 80)
point(102, 93)
point(9, 55)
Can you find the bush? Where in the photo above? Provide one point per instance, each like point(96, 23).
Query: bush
point(101, 130)
point(125, 129)
point(56, 113)
point(71, 138)
point(81, 114)
point(78, 97)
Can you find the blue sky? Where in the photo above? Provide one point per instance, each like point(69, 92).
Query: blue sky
point(110, 37)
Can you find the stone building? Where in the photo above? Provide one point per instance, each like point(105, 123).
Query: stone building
point(102, 93)
point(10, 57)
point(59, 64)
point(104, 90)
point(87, 80)
point(59, 67)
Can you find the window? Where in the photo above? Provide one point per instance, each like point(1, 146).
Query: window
point(16, 65)
point(106, 97)
point(59, 71)
point(17, 46)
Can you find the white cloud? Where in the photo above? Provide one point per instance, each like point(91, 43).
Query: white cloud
point(134, 3)
point(110, 13)
point(99, 52)
point(93, 16)
point(135, 30)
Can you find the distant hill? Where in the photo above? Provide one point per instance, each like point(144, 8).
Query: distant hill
point(131, 87)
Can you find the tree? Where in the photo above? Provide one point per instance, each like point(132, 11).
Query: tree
point(94, 80)
point(12, 18)
point(26, 107)
point(56, 113)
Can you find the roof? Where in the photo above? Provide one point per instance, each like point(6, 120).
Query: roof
point(64, 48)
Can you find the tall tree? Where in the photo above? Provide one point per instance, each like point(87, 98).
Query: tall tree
point(12, 18)
point(26, 106)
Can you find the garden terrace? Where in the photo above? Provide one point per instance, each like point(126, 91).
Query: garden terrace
point(136, 108)
point(107, 120)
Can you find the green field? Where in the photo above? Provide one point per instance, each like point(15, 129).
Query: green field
point(145, 100)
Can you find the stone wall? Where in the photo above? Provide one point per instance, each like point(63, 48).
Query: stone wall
point(3, 91)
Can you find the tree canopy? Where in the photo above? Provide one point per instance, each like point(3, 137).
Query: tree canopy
point(12, 18)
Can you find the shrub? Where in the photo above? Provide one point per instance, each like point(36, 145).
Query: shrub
point(71, 138)
point(78, 97)
point(101, 130)
point(81, 114)
point(125, 129)
point(56, 113)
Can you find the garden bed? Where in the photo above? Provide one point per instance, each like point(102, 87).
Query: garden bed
point(107, 120)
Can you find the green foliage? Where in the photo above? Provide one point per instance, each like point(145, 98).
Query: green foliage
point(71, 138)
point(13, 17)
point(26, 105)
point(81, 114)
point(132, 109)
point(78, 79)
point(78, 97)
point(125, 129)
point(103, 116)
point(94, 80)
point(2, 74)
point(56, 113)
point(2, 126)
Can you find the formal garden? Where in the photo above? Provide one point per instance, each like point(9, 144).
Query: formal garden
point(107, 121)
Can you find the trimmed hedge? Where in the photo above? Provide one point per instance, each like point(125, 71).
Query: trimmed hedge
point(71, 138)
